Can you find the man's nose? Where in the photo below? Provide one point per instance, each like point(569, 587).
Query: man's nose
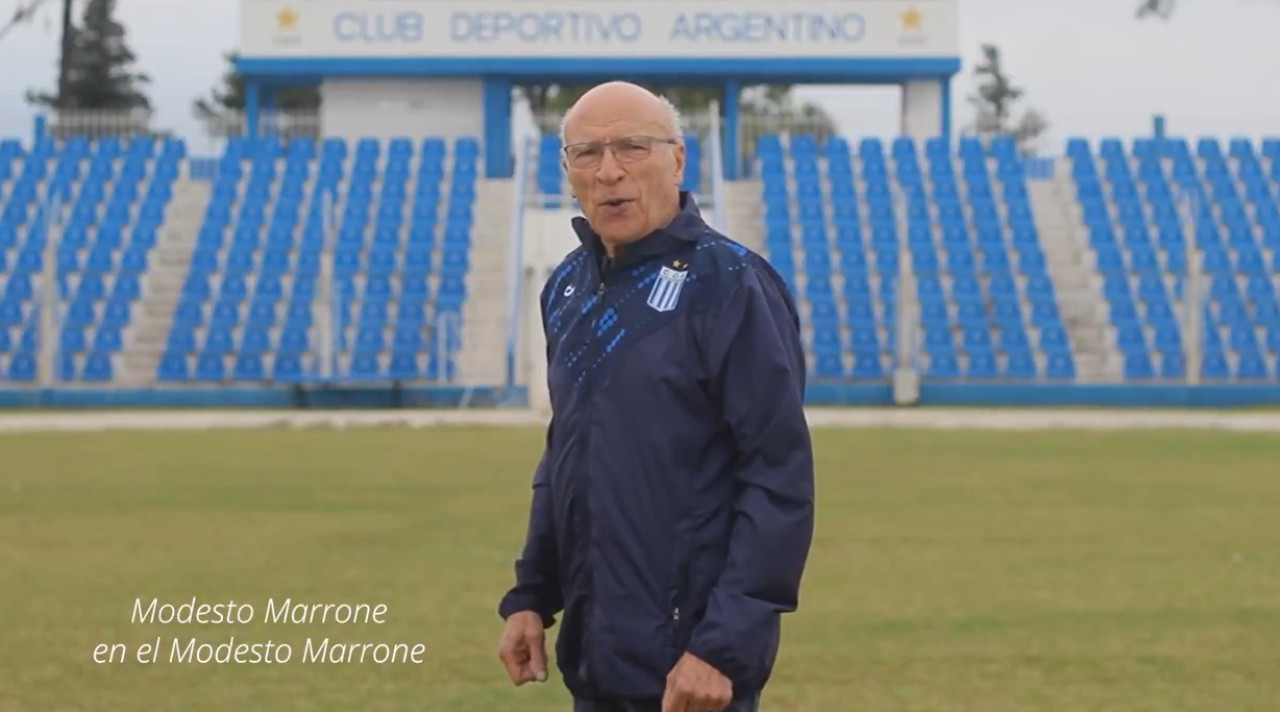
point(610, 171)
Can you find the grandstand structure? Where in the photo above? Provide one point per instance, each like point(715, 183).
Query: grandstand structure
point(396, 260)
point(284, 262)
point(1084, 269)
point(396, 223)
point(1142, 207)
point(847, 227)
point(91, 215)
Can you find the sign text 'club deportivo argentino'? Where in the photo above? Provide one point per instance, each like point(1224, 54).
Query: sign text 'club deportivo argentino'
point(598, 28)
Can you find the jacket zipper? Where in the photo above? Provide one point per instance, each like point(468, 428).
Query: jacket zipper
point(584, 478)
point(589, 385)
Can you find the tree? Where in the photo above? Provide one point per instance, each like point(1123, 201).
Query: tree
point(100, 73)
point(221, 110)
point(773, 108)
point(1162, 9)
point(994, 99)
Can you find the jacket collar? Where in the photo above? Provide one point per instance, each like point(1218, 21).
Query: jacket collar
point(685, 227)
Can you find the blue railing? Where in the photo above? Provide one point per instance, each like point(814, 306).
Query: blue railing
point(448, 331)
point(202, 169)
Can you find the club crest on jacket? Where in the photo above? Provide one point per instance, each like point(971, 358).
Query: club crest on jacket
point(665, 293)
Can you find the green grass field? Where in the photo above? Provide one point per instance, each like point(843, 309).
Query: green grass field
point(990, 572)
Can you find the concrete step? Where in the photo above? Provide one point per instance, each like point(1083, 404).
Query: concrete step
point(1072, 269)
point(482, 358)
point(155, 330)
point(161, 287)
point(742, 214)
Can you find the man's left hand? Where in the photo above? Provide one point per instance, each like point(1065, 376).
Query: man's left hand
point(695, 686)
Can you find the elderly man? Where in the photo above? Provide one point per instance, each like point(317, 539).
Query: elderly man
point(672, 509)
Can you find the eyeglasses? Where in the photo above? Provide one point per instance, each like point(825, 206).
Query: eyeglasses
point(628, 149)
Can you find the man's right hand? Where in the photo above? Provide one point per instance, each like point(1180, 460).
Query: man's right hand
point(523, 648)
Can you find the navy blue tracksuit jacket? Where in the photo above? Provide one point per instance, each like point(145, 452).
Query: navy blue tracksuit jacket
point(673, 505)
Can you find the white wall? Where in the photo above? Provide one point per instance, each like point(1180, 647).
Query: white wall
point(922, 109)
point(548, 237)
point(414, 108)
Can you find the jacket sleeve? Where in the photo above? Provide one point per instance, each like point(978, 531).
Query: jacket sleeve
point(758, 364)
point(537, 586)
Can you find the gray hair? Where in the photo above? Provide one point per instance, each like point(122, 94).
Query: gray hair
point(673, 120)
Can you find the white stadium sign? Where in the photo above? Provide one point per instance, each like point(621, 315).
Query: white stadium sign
point(704, 29)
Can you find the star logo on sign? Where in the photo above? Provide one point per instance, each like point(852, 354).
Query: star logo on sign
point(287, 19)
point(911, 18)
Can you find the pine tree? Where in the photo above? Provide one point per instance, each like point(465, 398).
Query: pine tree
point(102, 75)
point(1162, 9)
point(219, 110)
point(993, 100)
point(230, 95)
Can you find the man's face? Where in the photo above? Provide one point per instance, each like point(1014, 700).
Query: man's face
point(624, 172)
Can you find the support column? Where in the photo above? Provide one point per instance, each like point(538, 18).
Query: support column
point(729, 129)
point(252, 106)
point(945, 128)
point(497, 127)
point(924, 109)
point(267, 110)
point(270, 100)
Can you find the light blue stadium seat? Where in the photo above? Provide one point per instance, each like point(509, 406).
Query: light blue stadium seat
point(982, 366)
point(248, 367)
point(1251, 365)
point(867, 366)
point(287, 368)
point(1021, 365)
point(98, 366)
point(403, 365)
point(210, 367)
point(943, 365)
point(1214, 365)
point(22, 367)
point(828, 364)
point(1060, 366)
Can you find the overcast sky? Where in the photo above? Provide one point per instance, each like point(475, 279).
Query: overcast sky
point(1088, 65)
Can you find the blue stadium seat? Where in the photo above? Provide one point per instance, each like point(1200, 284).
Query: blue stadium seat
point(22, 367)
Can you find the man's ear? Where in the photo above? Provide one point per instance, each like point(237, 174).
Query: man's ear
point(679, 155)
